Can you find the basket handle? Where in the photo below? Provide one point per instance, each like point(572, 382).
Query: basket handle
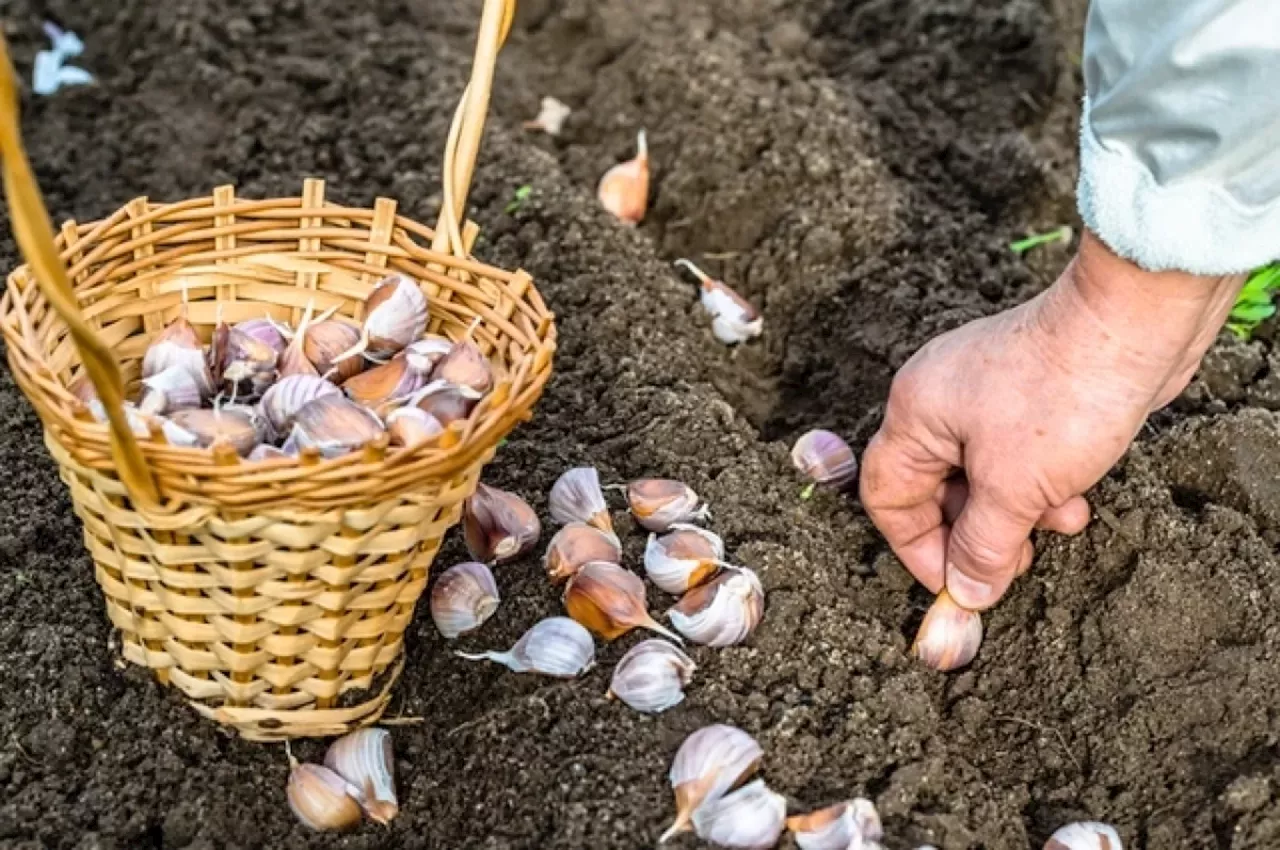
point(468, 126)
point(34, 234)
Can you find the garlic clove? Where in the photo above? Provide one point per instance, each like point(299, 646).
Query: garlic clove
point(443, 401)
point(425, 353)
point(173, 389)
point(263, 430)
point(576, 497)
point(683, 558)
point(335, 425)
point(463, 598)
point(949, 636)
point(854, 824)
point(733, 318)
point(624, 189)
point(751, 818)
point(499, 526)
point(265, 331)
point(551, 117)
point(210, 427)
point(288, 395)
point(391, 380)
point(651, 678)
point(395, 314)
point(711, 762)
point(660, 503)
point(1088, 835)
point(364, 759)
point(575, 545)
point(723, 612)
point(408, 426)
point(178, 345)
point(556, 647)
point(467, 369)
point(82, 388)
point(610, 601)
point(266, 452)
point(324, 342)
point(247, 366)
point(322, 799)
point(825, 458)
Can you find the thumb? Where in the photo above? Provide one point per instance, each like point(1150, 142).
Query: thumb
point(985, 550)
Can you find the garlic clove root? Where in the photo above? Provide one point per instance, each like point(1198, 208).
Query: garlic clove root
point(660, 503)
point(711, 762)
point(723, 612)
point(751, 818)
point(499, 526)
point(610, 601)
point(624, 189)
point(1087, 835)
point(949, 636)
point(556, 646)
point(463, 599)
point(651, 678)
point(364, 759)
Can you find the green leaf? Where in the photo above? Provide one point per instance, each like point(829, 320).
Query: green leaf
point(1062, 234)
point(518, 198)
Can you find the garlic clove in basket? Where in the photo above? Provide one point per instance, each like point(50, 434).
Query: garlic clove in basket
point(499, 526)
point(320, 798)
point(609, 601)
point(578, 544)
point(289, 394)
point(212, 427)
point(463, 598)
point(751, 818)
point(262, 427)
point(683, 558)
point(324, 342)
point(266, 452)
point(174, 388)
point(852, 824)
point(660, 503)
point(733, 318)
point(467, 369)
point(723, 612)
point(711, 762)
point(949, 636)
point(651, 678)
point(82, 388)
point(576, 497)
point(247, 366)
point(386, 382)
point(443, 401)
point(335, 425)
point(365, 760)
point(425, 353)
point(556, 647)
point(624, 189)
point(1087, 835)
point(395, 314)
point(178, 345)
point(408, 426)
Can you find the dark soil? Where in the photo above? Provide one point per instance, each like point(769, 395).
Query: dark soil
point(863, 164)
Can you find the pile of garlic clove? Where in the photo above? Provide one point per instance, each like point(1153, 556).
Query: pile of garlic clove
point(268, 391)
point(357, 778)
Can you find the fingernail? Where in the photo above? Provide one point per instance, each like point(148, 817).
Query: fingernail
point(968, 592)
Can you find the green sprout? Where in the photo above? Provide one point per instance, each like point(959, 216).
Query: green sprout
point(1254, 303)
point(1022, 246)
point(517, 200)
point(807, 493)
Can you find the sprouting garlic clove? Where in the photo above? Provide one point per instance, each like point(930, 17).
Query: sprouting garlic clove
point(395, 314)
point(443, 401)
point(386, 382)
point(324, 342)
point(463, 598)
point(609, 601)
point(683, 558)
point(624, 189)
point(212, 427)
point(178, 345)
point(949, 636)
point(557, 646)
point(499, 526)
point(651, 678)
point(551, 117)
point(425, 353)
point(1087, 835)
point(321, 799)
point(751, 818)
point(335, 425)
point(576, 497)
point(733, 318)
point(246, 365)
point(825, 458)
point(659, 503)
point(173, 389)
point(723, 612)
point(852, 824)
point(289, 394)
point(575, 545)
point(408, 426)
point(711, 762)
point(365, 760)
point(466, 368)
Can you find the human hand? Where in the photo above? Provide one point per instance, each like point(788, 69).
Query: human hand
point(1032, 407)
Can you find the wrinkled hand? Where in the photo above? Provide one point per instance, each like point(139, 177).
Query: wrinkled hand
point(1000, 426)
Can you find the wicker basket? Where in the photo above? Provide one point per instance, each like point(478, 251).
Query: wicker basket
point(275, 594)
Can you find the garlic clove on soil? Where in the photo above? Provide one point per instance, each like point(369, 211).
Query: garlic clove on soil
point(321, 799)
point(465, 368)
point(551, 117)
point(723, 612)
point(335, 425)
point(289, 395)
point(949, 636)
point(610, 601)
point(825, 458)
point(651, 678)
point(624, 189)
point(575, 545)
point(576, 497)
point(463, 599)
point(557, 646)
point(733, 318)
point(683, 558)
point(711, 762)
point(408, 426)
point(499, 526)
point(660, 503)
point(1087, 835)
point(364, 759)
point(751, 818)
point(854, 824)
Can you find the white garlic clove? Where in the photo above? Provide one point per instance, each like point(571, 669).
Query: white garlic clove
point(949, 636)
point(266, 452)
point(364, 759)
point(825, 458)
point(660, 503)
point(324, 342)
point(263, 430)
point(173, 389)
point(551, 117)
point(425, 353)
point(334, 425)
point(322, 799)
point(610, 601)
point(463, 599)
point(723, 612)
point(624, 189)
point(498, 526)
point(408, 426)
point(1088, 835)
point(212, 427)
point(576, 497)
point(711, 762)
point(289, 394)
point(733, 318)
point(467, 369)
point(179, 345)
point(395, 314)
point(651, 678)
point(854, 824)
point(751, 818)
point(557, 646)
point(683, 558)
point(246, 365)
point(576, 545)
point(442, 400)
point(386, 382)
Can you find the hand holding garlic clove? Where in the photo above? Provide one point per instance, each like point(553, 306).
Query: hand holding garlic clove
point(949, 636)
